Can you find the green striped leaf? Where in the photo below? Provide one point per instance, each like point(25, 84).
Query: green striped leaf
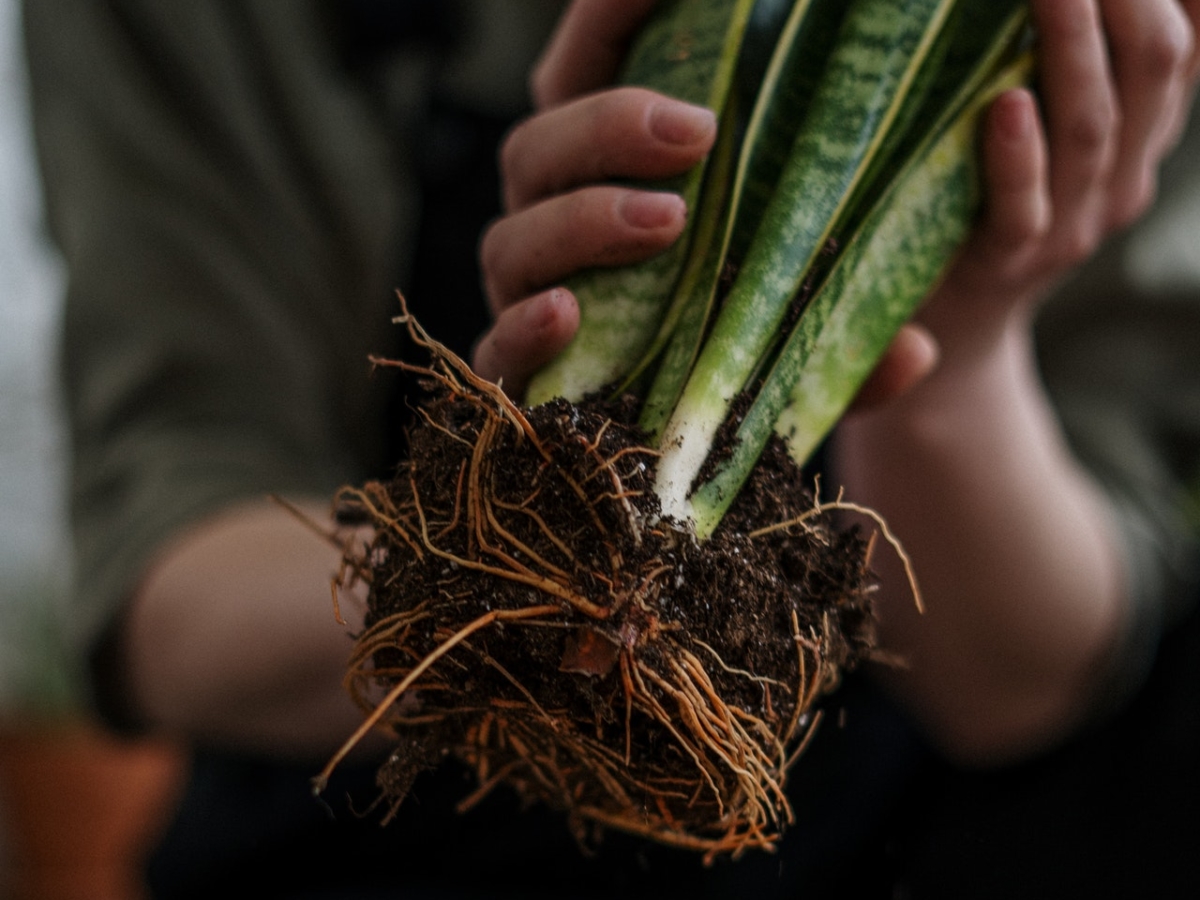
point(882, 274)
point(880, 50)
point(737, 195)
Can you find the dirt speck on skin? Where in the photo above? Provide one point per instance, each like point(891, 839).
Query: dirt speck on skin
point(532, 614)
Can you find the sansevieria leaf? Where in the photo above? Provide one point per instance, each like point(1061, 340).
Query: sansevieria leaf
point(852, 127)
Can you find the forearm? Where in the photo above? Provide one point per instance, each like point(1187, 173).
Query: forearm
point(231, 637)
point(1013, 546)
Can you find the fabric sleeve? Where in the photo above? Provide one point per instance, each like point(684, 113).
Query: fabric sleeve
point(230, 211)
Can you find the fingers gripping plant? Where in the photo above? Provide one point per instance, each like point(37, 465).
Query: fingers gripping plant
point(619, 598)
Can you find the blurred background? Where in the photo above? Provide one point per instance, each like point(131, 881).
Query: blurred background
point(80, 808)
point(34, 680)
point(37, 687)
point(33, 533)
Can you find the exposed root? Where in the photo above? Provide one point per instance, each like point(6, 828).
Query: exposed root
point(819, 508)
point(526, 616)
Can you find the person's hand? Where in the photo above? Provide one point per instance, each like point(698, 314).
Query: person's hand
point(1115, 82)
point(562, 213)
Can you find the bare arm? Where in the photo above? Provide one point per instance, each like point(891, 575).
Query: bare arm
point(1018, 555)
point(232, 635)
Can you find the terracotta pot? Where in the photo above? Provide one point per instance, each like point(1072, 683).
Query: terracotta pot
point(81, 809)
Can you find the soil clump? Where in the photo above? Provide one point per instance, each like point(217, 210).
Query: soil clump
point(531, 613)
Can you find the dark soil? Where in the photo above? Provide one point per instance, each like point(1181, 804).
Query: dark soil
point(559, 637)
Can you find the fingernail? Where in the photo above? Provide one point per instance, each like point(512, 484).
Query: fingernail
point(1015, 115)
point(545, 310)
point(681, 123)
point(643, 209)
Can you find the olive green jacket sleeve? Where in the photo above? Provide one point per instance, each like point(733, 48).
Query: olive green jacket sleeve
point(232, 210)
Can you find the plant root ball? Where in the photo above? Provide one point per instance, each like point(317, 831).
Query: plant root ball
point(530, 613)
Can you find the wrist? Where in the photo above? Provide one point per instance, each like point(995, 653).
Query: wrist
point(977, 378)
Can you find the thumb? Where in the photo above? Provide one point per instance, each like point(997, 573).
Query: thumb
point(912, 355)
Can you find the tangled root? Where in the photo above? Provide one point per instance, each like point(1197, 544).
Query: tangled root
point(531, 613)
